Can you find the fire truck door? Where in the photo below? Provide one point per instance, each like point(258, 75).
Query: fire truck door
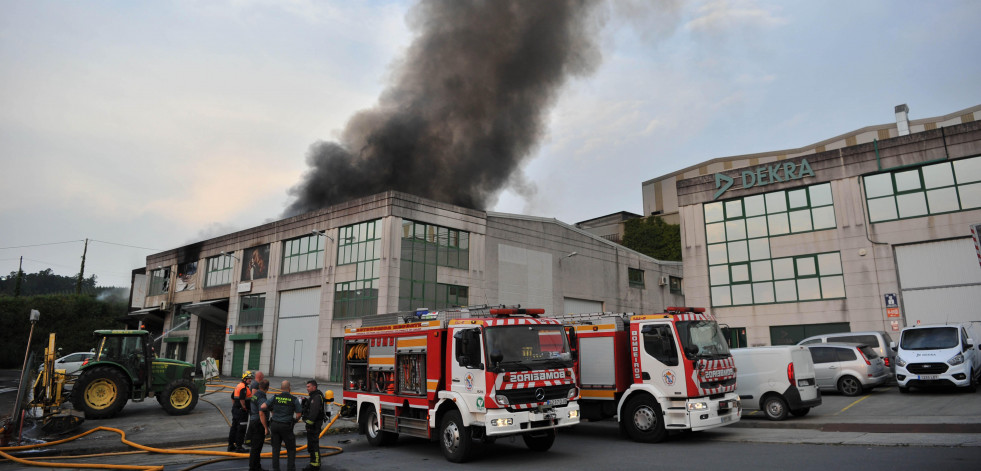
point(660, 359)
point(467, 367)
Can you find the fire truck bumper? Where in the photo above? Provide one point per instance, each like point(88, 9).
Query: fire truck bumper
point(705, 413)
point(502, 422)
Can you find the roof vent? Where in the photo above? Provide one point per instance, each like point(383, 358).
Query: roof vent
point(902, 119)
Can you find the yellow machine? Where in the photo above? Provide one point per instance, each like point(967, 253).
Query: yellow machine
point(49, 395)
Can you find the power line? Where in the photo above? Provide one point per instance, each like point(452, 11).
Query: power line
point(124, 245)
point(39, 245)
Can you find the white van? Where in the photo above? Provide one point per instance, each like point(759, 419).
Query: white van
point(937, 355)
point(777, 380)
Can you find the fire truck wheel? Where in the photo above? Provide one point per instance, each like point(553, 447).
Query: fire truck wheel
point(644, 421)
point(455, 439)
point(774, 407)
point(541, 440)
point(372, 429)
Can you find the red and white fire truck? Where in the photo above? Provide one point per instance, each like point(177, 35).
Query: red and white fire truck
point(463, 377)
point(656, 373)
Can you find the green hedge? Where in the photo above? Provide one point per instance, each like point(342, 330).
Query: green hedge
point(72, 318)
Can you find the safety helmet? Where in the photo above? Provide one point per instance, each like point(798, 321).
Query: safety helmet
point(247, 375)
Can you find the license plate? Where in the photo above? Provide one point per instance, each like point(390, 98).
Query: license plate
point(558, 402)
point(726, 419)
point(929, 377)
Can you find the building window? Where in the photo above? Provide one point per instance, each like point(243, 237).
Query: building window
point(424, 248)
point(303, 254)
point(182, 320)
point(360, 245)
point(674, 284)
point(741, 269)
point(252, 309)
point(940, 188)
point(219, 270)
point(159, 281)
point(635, 277)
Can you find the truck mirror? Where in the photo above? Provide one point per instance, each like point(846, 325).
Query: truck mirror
point(496, 356)
point(692, 350)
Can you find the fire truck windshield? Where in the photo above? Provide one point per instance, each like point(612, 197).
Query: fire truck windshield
point(702, 339)
point(526, 347)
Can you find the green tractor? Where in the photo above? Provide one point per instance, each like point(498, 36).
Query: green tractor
point(124, 367)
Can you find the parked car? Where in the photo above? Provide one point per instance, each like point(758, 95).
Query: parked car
point(879, 340)
point(937, 355)
point(777, 380)
point(848, 369)
point(72, 362)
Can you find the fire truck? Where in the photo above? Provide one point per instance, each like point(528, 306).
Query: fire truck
point(655, 373)
point(462, 377)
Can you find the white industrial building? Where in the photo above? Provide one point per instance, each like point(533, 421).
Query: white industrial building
point(277, 297)
point(870, 230)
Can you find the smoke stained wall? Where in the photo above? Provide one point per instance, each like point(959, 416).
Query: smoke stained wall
point(467, 104)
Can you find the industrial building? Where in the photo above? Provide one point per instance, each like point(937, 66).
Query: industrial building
point(277, 297)
point(870, 230)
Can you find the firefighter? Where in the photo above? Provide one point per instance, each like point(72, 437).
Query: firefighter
point(314, 414)
point(240, 414)
point(280, 424)
point(257, 432)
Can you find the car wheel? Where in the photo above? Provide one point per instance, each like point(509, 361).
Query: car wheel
point(973, 386)
point(849, 386)
point(775, 407)
point(455, 439)
point(800, 412)
point(643, 419)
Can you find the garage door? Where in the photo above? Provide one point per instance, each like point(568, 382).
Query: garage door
point(296, 338)
point(940, 281)
point(578, 306)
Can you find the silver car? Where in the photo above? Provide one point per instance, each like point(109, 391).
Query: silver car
point(847, 368)
point(72, 362)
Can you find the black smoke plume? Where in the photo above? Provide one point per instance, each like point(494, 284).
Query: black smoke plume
point(467, 104)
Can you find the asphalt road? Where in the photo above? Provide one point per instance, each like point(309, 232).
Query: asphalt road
point(880, 430)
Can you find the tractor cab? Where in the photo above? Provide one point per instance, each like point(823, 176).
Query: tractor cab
point(128, 348)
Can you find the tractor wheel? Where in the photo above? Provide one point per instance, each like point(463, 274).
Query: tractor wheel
point(101, 392)
point(179, 397)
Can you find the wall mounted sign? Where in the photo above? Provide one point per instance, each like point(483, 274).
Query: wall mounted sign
point(764, 175)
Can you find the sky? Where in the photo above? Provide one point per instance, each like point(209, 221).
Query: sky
point(145, 126)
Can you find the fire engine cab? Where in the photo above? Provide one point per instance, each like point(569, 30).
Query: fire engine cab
point(656, 373)
point(460, 376)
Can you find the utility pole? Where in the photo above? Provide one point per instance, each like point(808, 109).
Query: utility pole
point(20, 277)
point(81, 271)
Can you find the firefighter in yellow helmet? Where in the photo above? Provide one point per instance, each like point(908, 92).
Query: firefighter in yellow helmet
point(240, 414)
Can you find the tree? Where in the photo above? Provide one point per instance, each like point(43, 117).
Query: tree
point(653, 237)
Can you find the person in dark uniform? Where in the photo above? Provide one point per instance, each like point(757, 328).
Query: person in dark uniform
point(257, 378)
point(240, 414)
point(256, 433)
point(313, 420)
point(286, 411)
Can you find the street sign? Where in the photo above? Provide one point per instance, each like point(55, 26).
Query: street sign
point(891, 300)
point(892, 312)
